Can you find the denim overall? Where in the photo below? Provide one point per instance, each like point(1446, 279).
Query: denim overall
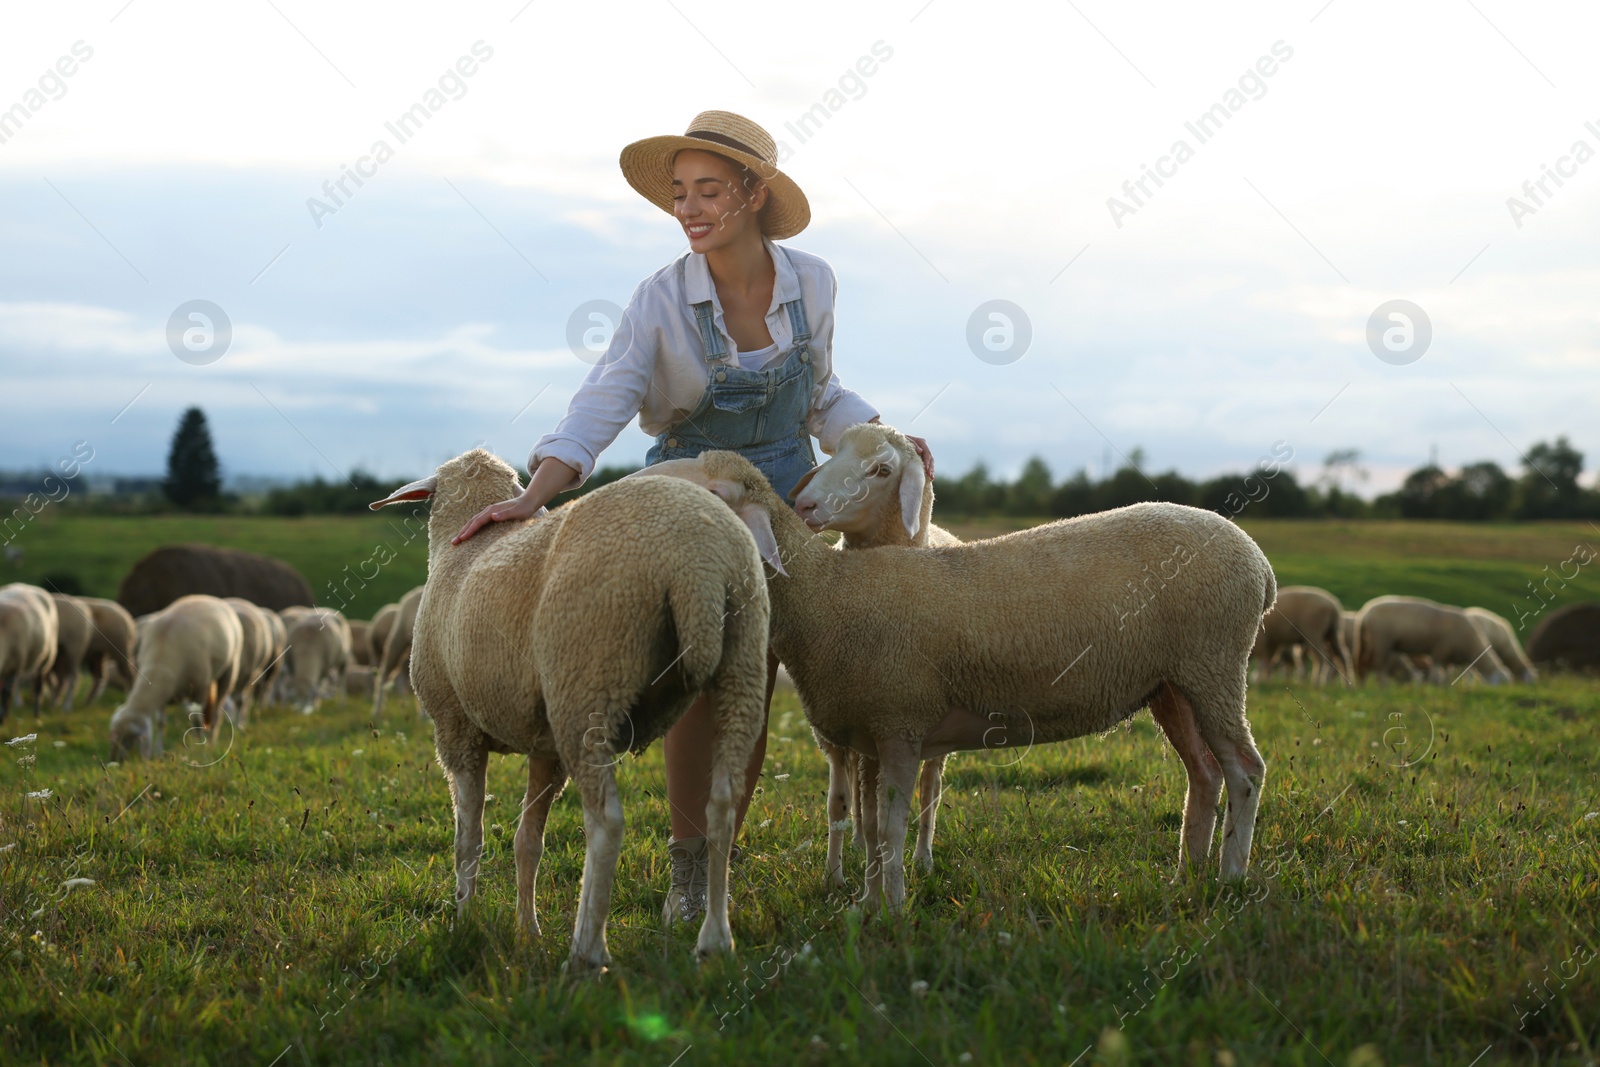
point(760, 414)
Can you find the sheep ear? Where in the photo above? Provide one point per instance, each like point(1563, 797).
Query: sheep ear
point(756, 518)
point(913, 483)
point(418, 490)
point(805, 480)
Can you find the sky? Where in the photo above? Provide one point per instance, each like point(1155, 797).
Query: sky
point(1355, 154)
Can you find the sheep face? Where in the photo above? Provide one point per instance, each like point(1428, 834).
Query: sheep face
point(874, 469)
point(129, 733)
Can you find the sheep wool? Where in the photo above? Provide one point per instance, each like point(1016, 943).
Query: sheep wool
point(1037, 636)
point(29, 633)
point(187, 651)
point(575, 637)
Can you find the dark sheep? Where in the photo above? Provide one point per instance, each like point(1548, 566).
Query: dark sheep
point(1568, 638)
point(174, 571)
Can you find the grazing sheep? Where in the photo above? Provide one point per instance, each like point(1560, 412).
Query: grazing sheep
point(318, 651)
point(874, 490)
point(574, 638)
point(74, 628)
point(255, 653)
point(382, 626)
point(1417, 627)
point(267, 688)
point(396, 647)
point(1308, 617)
point(172, 571)
point(358, 681)
point(1568, 638)
point(189, 651)
point(1497, 631)
point(360, 643)
point(28, 636)
point(111, 644)
point(1037, 636)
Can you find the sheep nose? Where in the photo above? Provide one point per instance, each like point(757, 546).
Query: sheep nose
point(805, 508)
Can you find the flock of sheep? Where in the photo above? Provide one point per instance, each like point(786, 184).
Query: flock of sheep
point(218, 653)
point(1395, 636)
point(586, 633)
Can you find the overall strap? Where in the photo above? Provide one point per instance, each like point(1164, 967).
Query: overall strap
point(796, 309)
point(704, 316)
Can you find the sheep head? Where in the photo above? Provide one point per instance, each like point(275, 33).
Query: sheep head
point(459, 489)
point(129, 733)
point(873, 483)
point(737, 483)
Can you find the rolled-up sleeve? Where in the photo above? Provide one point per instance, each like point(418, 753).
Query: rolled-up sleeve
point(608, 399)
point(834, 409)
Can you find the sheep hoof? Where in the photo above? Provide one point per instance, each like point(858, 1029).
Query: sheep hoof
point(923, 861)
point(578, 967)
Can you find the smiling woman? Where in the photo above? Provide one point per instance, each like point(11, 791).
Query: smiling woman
point(728, 347)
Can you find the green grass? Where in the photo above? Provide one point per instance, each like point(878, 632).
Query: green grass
point(1422, 856)
point(1488, 564)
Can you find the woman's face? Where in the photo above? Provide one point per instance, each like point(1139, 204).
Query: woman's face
point(710, 202)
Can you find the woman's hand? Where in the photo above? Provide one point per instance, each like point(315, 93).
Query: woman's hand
point(516, 508)
point(925, 452)
point(551, 478)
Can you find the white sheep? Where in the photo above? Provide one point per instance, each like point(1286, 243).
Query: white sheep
point(255, 654)
point(111, 644)
point(1037, 636)
point(875, 491)
point(1497, 631)
point(317, 652)
point(29, 631)
point(1414, 626)
point(1304, 617)
point(396, 646)
point(74, 628)
point(267, 688)
point(574, 638)
point(189, 650)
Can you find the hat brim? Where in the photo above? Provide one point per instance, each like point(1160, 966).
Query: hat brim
point(647, 165)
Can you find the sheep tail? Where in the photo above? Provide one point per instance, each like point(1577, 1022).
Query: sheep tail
point(698, 620)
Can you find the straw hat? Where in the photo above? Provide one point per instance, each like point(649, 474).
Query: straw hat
point(647, 165)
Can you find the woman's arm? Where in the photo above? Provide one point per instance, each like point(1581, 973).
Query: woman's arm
point(551, 478)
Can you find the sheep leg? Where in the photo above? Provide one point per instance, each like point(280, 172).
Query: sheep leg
point(545, 779)
point(466, 790)
point(1245, 771)
point(102, 678)
point(716, 935)
point(898, 764)
point(1175, 715)
point(867, 779)
point(841, 789)
point(929, 789)
point(603, 826)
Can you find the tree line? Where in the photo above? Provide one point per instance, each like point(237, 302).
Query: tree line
point(1547, 487)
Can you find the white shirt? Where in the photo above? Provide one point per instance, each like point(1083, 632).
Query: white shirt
point(656, 368)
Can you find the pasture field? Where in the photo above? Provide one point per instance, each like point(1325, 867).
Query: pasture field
point(1424, 890)
point(1488, 564)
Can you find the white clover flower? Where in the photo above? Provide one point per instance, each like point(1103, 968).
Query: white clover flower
point(919, 988)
